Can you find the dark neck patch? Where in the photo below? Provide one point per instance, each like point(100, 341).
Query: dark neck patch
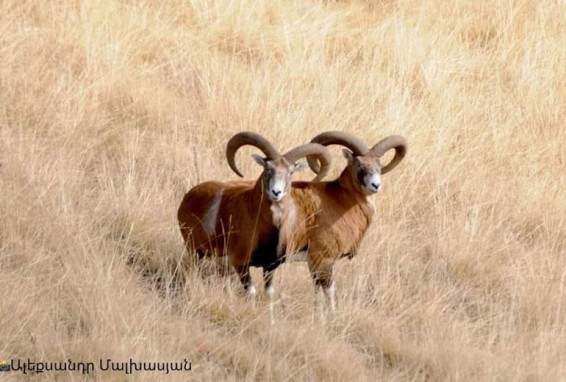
point(265, 254)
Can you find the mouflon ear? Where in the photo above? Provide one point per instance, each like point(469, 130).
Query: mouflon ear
point(299, 166)
point(348, 155)
point(259, 160)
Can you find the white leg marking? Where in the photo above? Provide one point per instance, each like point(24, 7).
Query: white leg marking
point(252, 292)
point(269, 292)
point(330, 293)
point(317, 304)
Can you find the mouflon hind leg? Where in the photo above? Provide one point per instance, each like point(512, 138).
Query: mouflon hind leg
point(321, 271)
point(246, 280)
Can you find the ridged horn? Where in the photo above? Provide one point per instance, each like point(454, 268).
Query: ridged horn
point(317, 152)
point(355, 144)
point(396, 142)
point(252, 139)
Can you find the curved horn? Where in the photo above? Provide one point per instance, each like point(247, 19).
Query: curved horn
point(317, 152)
point(337, 138)
point(252, 139)
point(396, 142)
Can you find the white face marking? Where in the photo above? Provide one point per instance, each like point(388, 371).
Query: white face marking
point(212, 214)
point(276, 189)
point(373, 183)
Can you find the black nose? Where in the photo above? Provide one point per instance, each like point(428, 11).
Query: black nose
point(276, 193)
point(376, 185)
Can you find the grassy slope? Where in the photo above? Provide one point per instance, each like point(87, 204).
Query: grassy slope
point(110, 111)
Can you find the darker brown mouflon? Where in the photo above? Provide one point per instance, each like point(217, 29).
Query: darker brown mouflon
point(244, 220)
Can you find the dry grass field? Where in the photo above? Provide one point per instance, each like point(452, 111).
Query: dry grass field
point(110, 111)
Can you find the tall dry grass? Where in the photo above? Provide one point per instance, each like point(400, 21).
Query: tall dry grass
point(110, 111)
